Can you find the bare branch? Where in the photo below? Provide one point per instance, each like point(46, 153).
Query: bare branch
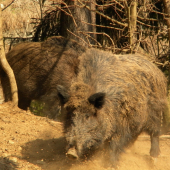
point(102, 26)
point(99, 45)
point(147, 24)
point(8, 5)
point(105, 16)
point(99, 33)
point(78, 37)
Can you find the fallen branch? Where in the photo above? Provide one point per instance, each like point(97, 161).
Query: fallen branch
point(8, 5)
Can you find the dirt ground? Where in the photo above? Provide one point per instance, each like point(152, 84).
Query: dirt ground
point(29, 142)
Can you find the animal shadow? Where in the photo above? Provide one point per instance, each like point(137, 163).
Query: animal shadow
point(46, 152)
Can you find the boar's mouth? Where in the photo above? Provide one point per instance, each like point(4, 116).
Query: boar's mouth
point(72, 153)
point(84, 151)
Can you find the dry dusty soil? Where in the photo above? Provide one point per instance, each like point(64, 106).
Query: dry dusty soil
point(29, 142)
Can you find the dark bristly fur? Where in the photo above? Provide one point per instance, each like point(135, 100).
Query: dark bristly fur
point(113, 99)
point(40, 66)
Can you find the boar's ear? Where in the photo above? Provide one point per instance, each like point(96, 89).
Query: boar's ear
point(63, 94)
point(97, 99)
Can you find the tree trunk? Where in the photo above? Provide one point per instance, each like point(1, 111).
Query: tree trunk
point(6, 67)
point(75, 24)
point(132, 24)
point(131, 12)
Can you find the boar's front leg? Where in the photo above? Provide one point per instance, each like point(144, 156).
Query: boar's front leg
point(154, 151)
point(114, 152)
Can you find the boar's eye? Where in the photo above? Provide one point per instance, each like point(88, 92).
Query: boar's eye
point(87, 116)
point(63, 94)
point(70, 108)
point(95, 114)
point(91, 115)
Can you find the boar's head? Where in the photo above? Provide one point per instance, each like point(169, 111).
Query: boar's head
point(82, 126)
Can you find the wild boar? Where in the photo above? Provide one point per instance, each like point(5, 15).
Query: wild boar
point(113, 99)
point(39, 66)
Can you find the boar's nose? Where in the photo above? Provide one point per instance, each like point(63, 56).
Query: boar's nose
point(72, 153)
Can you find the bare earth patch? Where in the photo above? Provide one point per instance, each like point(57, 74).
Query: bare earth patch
point(29, 142)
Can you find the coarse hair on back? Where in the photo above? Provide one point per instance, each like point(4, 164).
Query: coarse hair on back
point(133, 86)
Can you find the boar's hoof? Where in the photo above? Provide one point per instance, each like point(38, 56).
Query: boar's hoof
point(72, 153)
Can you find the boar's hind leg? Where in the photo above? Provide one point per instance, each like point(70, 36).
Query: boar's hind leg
point(24, 102)
point(155, 151)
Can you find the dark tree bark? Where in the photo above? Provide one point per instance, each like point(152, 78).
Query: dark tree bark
point(75, 24)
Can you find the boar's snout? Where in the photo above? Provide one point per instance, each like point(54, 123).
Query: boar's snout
point(72, 153)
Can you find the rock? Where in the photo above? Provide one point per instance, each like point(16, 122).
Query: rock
point(19, 148)
point(40, 162)
point(13, 159)
point(11, 142)
point(6, 155)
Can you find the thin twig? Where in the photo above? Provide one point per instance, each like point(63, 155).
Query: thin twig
point(92, 39)
point(64, 11)
point(70, 13)
point(99, 33)
point(99, 13)
point(78, 37)
point(8, 5)
point(102, 26)
point(146, 24)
